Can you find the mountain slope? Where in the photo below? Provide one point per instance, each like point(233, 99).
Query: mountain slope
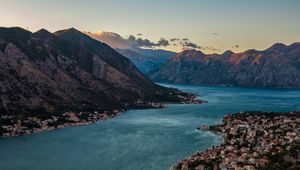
point(277, 66)
point(43, 73)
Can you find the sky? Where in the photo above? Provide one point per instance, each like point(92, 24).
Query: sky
point(212, 26)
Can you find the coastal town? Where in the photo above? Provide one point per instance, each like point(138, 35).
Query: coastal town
point(16, 125)
point(251, 140)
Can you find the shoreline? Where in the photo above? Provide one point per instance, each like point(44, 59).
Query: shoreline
point(250, 140)
point(13, 126)
point(70, 118)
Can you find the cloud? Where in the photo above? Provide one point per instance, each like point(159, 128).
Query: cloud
point(235, 46)
point(174, 39)
point(117, 41)
point(187, 44)
point(132, 42)
point(163, 42)
point(139, 42)
point(112, 39)
point(210, 48)
point(145, 43)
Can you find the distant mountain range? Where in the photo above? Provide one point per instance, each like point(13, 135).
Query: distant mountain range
point(147, 60)
point(45, 72)
point(277, 67)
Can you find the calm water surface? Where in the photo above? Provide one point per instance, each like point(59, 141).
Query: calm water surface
point(140, 139)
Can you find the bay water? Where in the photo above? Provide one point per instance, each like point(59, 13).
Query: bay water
point(152, 139)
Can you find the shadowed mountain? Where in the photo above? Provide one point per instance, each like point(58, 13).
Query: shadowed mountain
point(277, 67)
point(43, 72)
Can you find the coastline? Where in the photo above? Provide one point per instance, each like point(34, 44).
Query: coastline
point(38, 125)
point(250, 140)
point(12, 126)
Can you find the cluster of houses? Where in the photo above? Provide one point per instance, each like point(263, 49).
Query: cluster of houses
point(14, 126)
point(140, 103)
point(247, 140)
point(192, 99)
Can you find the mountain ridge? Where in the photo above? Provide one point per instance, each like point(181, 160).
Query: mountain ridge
point(277, 66)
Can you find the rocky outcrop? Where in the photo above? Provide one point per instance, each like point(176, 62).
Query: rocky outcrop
point(276, 67)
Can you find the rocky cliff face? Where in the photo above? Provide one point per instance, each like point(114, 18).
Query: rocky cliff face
point(43, 72)
point(277, 67)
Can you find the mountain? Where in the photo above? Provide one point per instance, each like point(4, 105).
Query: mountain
point(147, 60)
point(67, 71)
point(155, 52)
point(276, 67)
